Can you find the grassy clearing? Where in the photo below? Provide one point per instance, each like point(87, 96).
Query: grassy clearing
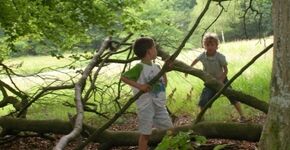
point(32, 64)
point(255, 81)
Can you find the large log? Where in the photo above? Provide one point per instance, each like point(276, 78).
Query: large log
point(236, 131)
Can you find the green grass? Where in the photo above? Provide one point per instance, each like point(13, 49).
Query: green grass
point(33, 64)
point(254, 81)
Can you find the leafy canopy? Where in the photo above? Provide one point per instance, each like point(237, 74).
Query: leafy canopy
point(65, 22)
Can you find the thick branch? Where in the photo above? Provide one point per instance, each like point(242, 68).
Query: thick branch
point(78, 96)
point(121, 61)
point(10, 100)
point(236, 131)
point(12, 90)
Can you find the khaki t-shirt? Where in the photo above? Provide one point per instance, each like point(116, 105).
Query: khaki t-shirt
point(213, 64)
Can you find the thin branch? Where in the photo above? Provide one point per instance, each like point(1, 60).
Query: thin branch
point(88, 109)
point(42, 93)
point(12, 90)
point(10, 78)
point(250, 7)
point(220, 13)
point(119, 83)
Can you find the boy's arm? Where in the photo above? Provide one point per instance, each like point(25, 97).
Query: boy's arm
point(141, 87)
point(224, 74)
point(192, 64)
point(224, 65)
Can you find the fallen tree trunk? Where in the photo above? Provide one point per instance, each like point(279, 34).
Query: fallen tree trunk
point(109, 139)
point(212, 83)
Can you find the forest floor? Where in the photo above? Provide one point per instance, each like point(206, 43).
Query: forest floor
point(43, 143)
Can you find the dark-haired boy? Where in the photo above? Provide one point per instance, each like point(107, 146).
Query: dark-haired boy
point(151, 107)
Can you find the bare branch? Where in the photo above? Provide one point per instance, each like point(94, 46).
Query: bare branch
point(250, 7)
point(12, 90)
point(79, 86)
point(220, 13)
point(42, 93)
point(78, 94)
point(88, 109)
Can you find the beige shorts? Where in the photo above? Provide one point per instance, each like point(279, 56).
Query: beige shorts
point(153, 116)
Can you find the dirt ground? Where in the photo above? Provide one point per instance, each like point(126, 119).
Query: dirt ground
point(44, 143)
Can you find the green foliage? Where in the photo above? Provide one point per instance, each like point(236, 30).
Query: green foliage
point(220, 147)
point(4, 52)
point(180, 142)
point(166, 21)
point(63, 22)
point(40, 27)
point(231, 24)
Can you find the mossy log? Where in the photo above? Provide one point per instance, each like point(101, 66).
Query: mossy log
point(108, 139)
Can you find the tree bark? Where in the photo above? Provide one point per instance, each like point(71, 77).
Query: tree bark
point(236, 131)
point(276, 132)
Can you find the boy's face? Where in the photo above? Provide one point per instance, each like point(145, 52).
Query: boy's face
point(210, 47)
point(152, 52)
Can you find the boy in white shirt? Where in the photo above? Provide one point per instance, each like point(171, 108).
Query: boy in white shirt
point(151, 107)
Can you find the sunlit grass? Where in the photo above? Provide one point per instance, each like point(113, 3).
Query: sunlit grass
point(254, 81)
point(34, 64)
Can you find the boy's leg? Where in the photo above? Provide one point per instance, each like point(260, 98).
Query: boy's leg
point(143, 142)
point(239, 110)
point(161, 119)
point(237, 105)
point(145, 123)
point(205, 96)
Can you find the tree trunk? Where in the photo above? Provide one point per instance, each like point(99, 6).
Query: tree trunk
point(276, 133)
point(236, 131)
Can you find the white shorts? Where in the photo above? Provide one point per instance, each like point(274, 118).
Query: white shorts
point(153, 116)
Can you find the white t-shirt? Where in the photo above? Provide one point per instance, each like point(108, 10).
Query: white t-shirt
point(142, 73)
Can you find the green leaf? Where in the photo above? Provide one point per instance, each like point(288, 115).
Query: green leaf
point(220, 147)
